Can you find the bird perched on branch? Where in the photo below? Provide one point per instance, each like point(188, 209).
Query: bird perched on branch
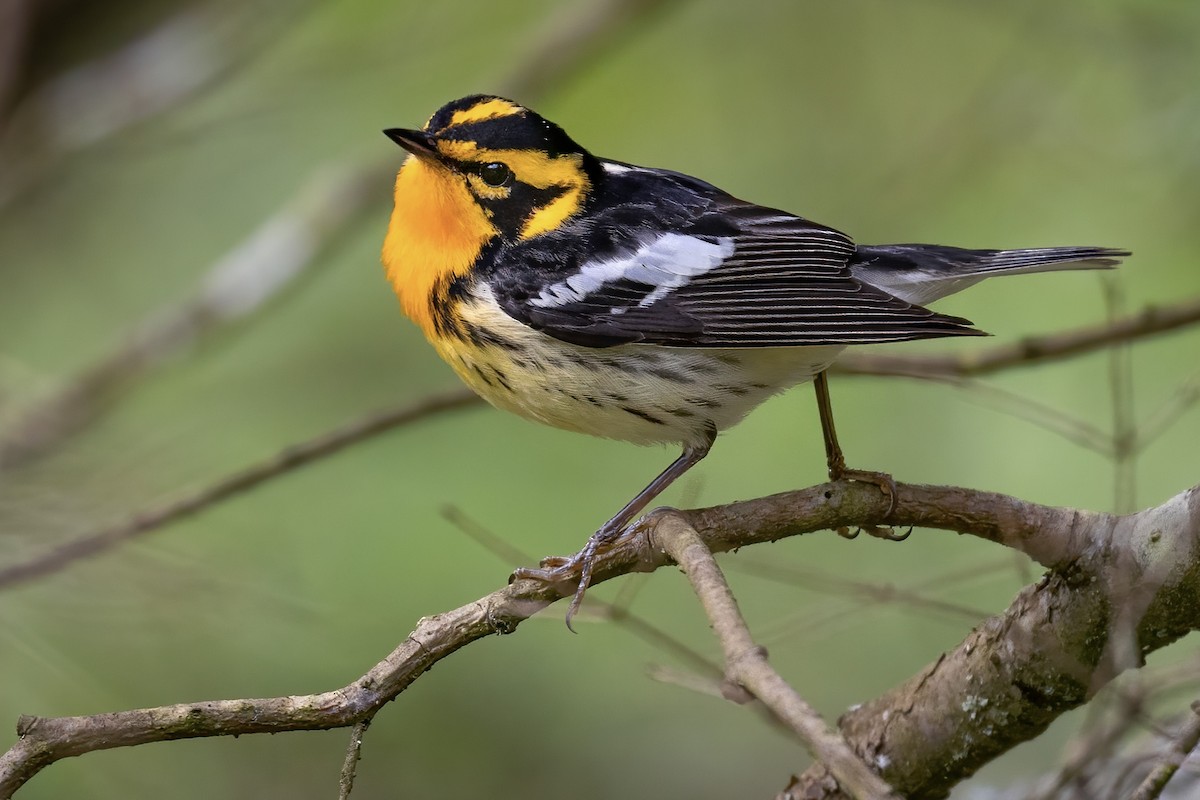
point(643, 304)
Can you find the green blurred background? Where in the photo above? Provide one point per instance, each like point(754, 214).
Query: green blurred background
point(976, 124)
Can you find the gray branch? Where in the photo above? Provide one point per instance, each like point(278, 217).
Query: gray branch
point(1118, 588)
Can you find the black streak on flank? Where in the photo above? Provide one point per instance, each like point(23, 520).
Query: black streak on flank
point(642, 415)
point(664, 373)
point(481, 337)
point(483, 375)
point(498, 375)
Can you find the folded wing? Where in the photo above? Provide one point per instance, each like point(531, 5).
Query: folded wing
point(736, 275)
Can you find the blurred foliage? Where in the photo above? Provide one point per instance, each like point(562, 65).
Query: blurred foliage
point(977, 124)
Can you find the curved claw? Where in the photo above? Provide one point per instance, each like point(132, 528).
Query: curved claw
point(886, 533)
point(559, 569)
point(845, 533)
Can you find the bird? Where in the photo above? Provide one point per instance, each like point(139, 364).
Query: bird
point(643, 304)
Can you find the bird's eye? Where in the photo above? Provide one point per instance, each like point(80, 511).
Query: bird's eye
point(495, 173)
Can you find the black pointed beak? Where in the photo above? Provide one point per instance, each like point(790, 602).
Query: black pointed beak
point(416, 142)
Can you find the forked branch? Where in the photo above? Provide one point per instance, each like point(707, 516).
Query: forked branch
point(1119, 587)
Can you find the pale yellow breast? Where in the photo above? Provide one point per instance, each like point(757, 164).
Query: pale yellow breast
point(639, 393)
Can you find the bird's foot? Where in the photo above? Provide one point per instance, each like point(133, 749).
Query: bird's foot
point(884, 482)
point(579, 567)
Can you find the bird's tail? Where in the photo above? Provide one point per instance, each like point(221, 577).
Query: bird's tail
point(922, 273)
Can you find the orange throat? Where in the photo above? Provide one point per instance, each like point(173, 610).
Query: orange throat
point(436, 232)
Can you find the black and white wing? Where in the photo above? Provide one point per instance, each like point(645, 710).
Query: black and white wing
point(732, 275)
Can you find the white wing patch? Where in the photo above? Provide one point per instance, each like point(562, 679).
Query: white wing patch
point(666, 263)
point(613, 168)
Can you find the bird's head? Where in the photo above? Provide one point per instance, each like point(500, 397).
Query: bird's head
point(498, 163)
point(482, 168)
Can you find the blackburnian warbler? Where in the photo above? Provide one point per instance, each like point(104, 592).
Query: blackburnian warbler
point(643, 304)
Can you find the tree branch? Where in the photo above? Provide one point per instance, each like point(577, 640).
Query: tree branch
point(287, 460)
point(1060, 641)
point(239, 284)
point(353, 754)
point(1150, 321)
point(746, 663)
point(1120, 587)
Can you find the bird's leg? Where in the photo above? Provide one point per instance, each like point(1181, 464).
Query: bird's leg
point(554, 570)
point(833, 451)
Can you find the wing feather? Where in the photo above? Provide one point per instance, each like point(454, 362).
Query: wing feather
point(724, 273)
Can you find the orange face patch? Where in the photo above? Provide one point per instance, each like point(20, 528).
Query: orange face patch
point(436, 231)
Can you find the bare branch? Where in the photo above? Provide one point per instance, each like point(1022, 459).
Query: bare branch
point(1186, 395)
point(1150, 321)
point(862, 592)
point(1045, 417)
point(282, 463)
point(1129, 585)
point(484, 537)
point(1094, 746)
point(1120, 387)
point(44, 741)
point(746, 663)
point(353, 754)
point(1011, 677)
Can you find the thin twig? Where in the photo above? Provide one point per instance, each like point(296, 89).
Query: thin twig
point(1120, 387)
point(241, 283)
point(353, 754)
point(282, 463)
point(657, 637)
point(617, 612)
point(746, 663)
point(1050, 419)
point(1150, 321)
point(484, 536)
point(1183, 744)
point(1184, 397)
point(1097, 739)
point(1089, 759)
point(709, 687)
point(812, 580)
point(717, 687)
